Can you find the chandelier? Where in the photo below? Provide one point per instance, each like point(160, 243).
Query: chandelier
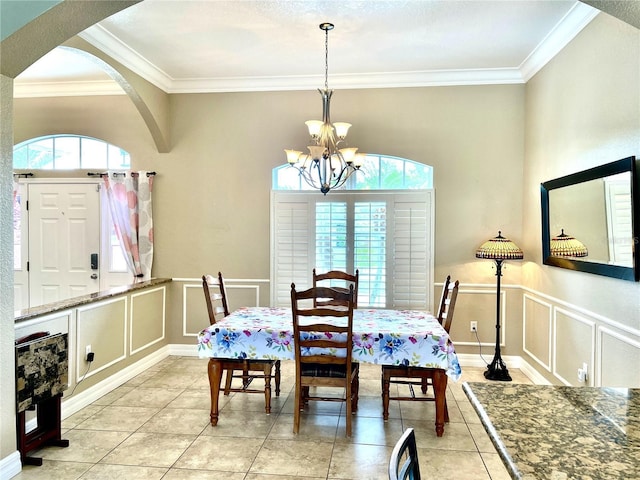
point(326, 166)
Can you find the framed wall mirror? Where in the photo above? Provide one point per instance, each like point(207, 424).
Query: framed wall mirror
point(591, 220)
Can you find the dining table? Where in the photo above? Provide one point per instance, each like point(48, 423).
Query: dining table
point(380, 336)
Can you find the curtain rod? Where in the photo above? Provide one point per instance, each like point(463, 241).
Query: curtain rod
point(117, 174)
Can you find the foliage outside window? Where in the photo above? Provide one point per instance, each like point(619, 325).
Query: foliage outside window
point(378, 172)
point(68, 152)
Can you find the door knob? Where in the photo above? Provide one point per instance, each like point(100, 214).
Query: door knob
point(94, 276)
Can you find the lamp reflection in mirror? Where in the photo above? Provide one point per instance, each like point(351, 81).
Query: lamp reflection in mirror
point(326, 166)
point(567, 246)
point(498, 249)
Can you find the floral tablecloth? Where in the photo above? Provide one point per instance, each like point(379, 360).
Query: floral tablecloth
point(384, 337)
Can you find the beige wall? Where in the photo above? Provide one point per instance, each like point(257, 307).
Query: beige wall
point(212, 191)
point(582, 110)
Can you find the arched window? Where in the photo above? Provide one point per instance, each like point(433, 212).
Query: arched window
point(379, 172)
point(68, 152)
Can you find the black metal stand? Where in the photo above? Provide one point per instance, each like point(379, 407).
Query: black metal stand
point(497, 370)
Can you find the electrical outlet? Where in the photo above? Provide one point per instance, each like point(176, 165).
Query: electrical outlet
point(473, 326)
point(87, 352)
point(582, 373)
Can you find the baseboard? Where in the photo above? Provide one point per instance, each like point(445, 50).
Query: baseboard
point(532, 374)
point(10, 466)
point(90, 395)
point(474, 360)
point(183, 350)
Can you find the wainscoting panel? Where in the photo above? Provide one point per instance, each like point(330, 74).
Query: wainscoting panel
point(536, 330)
point(194, 309)
point(147, 319)
point(574, 345)
point(240, 293)
point(478, 305)
point(610, 349)
point(59, 322)
point(619, 359)
point(102, 325)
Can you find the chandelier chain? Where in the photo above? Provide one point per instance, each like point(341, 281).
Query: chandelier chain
point(326, 59)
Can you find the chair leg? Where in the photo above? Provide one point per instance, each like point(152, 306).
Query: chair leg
point(355, 393)
point(296, 411)
point(246, 379)
point(446, 411)
point(267, 388)
point(277, 378)
point(425, 385)
point(349, 405)
point(227, 382)
point(386, 377)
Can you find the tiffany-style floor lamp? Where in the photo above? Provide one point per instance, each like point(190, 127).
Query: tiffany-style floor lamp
point(498, 249)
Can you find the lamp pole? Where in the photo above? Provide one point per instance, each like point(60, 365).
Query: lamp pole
point(497, 370)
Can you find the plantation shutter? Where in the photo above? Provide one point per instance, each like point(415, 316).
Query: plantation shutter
point(412, 264)
point(292, 234)
point(393, 229)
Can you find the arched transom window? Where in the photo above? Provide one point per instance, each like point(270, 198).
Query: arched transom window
point(379, 172)
point(68, 152)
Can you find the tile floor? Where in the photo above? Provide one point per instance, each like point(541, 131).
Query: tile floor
point(156, 426)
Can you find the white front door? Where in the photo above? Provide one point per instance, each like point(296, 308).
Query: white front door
point(64, 233)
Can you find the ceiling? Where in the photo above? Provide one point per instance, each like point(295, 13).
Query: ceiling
point(257, 45)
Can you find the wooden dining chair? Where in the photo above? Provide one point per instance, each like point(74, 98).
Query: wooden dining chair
point(419, 376)
point(215, 295)
point(403, 464)
point(339, 280)
point(323, 343)
point(444, 315)
point(448, 303)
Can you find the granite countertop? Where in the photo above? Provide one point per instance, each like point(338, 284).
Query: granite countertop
point(555, 432)
point(28, 313)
